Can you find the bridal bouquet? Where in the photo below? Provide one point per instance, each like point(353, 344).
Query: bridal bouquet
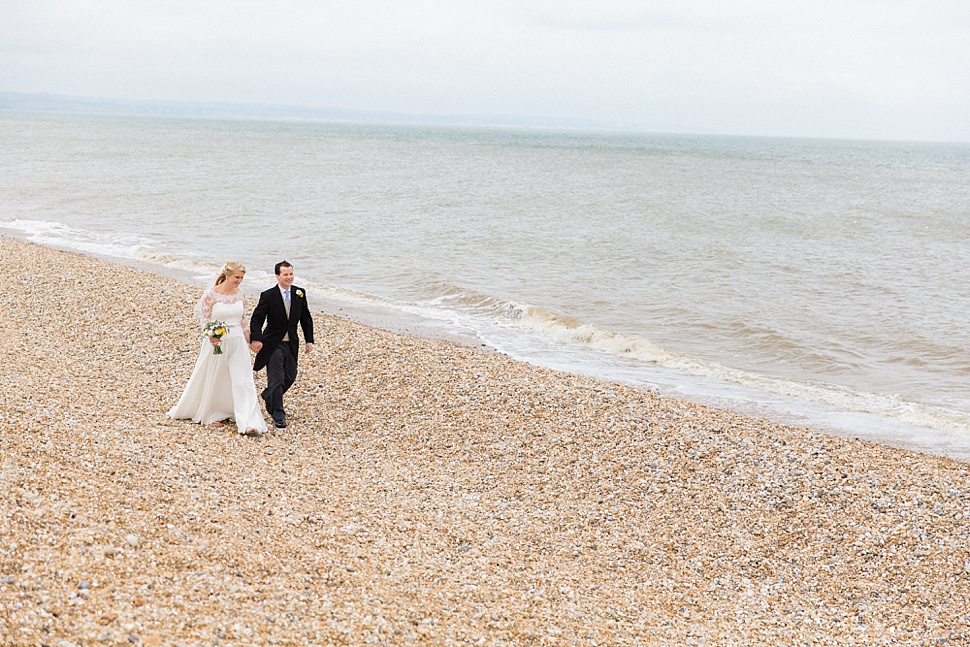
point(215, 329)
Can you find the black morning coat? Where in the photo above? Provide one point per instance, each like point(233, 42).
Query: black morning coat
point(272, 311)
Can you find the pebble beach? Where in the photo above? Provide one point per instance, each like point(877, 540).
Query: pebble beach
point(431, 493)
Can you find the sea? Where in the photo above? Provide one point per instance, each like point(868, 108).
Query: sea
point(821, 283)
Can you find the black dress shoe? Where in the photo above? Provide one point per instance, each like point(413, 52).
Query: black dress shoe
point(280, 424)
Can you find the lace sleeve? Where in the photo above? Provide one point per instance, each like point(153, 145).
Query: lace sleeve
point(203, 309)
point(245, 320)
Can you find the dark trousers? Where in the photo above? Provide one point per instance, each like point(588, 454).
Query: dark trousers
point(280, 376)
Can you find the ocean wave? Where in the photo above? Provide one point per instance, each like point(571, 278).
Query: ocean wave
point(569, 330)
point(467, 301)
point(57, 234)
point(198, 269)
point(450, 300)
point(114, 245)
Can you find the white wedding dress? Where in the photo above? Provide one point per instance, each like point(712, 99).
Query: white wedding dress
point(222, 386)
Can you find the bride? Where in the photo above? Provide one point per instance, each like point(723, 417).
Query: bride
point(222, 386)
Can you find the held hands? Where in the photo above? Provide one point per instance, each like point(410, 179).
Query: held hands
point(255, 346)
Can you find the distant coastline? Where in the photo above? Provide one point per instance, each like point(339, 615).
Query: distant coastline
point(45, 102)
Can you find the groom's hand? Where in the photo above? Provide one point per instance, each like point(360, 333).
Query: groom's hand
point(255, 346)
point(309, 347)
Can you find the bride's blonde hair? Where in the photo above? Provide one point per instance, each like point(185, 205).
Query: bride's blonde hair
point(231, 267)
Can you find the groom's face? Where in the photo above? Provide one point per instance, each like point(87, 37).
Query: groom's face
point(285, 277)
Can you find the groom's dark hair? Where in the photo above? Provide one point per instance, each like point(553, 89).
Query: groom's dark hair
point(279, 265)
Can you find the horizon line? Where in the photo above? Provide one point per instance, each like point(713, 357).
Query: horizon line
point(76, 104)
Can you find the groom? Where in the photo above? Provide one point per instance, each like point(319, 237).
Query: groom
point(281, 307)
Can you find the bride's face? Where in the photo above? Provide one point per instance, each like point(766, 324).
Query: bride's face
point(235, 279)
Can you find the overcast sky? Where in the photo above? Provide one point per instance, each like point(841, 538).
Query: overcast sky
point(884, 69)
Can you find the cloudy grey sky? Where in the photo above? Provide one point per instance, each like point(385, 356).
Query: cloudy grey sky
point(884, 69)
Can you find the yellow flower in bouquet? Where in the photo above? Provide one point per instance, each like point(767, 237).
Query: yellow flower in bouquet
point(215, 330)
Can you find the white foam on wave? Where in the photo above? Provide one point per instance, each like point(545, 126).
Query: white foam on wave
point(119, 246)
point(56, 234)
point(569, 331)
point(487, 315)
point(199, 270)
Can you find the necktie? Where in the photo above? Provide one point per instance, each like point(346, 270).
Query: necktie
point(286, 297)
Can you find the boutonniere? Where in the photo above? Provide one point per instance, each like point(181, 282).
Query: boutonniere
point(299, 293)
